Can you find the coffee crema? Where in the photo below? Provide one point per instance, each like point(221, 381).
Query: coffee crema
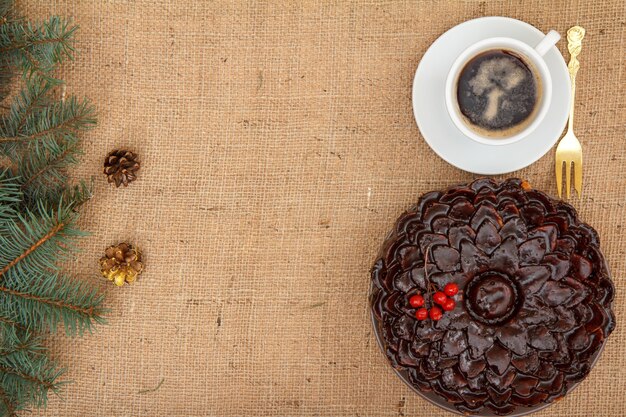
point(498, 93)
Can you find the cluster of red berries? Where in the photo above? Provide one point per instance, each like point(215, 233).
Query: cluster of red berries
point(441, 298)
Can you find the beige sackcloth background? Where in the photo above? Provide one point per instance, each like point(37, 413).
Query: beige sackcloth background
point(278, 146)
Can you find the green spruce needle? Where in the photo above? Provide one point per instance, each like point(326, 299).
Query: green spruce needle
point(40, 138)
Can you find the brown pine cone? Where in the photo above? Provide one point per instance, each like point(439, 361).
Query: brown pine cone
point(121, 167)
point(121, 263)
point(533, 307)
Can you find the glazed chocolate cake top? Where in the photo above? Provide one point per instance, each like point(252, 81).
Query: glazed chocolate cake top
point(534, 300)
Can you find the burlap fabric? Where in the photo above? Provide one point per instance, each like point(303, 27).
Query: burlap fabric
point(278, 146)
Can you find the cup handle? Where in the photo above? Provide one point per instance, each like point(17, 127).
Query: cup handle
point(547, 42)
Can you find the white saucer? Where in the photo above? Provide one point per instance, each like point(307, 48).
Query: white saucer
point(446, 139)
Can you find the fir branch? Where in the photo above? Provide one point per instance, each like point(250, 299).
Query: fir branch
point(28, 378)
point(87, 311)
point(36, 48)
point(59, 120)
point(55, 300)
point(39, 139)
point(31, 378)
point(22, 349)
point(34, 243)
point(12, 332)
point(6, 7)
point(34, 95)
point(47, 237)
point(9, 404)
point(46, 169)
point(6, 71)
point(10, 195)
point(11, 323)
point(32, 285)
point(31, 42)
point(50, 196)
point(16, 349)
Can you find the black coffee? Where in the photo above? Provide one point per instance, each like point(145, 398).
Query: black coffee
point(497, 93)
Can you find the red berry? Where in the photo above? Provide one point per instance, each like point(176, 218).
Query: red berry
point(421, 314)
point(439, 297)
point(416, 301)
point(451, 289)
point(449, 305)
point(435, 313)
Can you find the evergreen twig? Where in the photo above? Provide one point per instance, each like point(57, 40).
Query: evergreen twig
point(39, 140)
point(9, 405)
point(12, 323)
point(36, 48)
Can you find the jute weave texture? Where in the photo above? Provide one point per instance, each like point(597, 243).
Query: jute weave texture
point(278, 146)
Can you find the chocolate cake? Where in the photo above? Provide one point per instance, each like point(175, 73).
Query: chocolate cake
point(532, 305)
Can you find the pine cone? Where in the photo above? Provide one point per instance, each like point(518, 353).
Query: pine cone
point(121, 263)
point(121, 167)
point(534, 301)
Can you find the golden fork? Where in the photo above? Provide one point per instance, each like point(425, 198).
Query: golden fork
point(569, 150)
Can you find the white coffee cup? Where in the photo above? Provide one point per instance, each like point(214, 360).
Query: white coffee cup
point(534, 56)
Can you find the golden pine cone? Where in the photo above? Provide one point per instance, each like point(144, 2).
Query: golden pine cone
point(121, 166)
point(121, 263)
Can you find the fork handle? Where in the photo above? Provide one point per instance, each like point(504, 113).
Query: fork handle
point(575, 36)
